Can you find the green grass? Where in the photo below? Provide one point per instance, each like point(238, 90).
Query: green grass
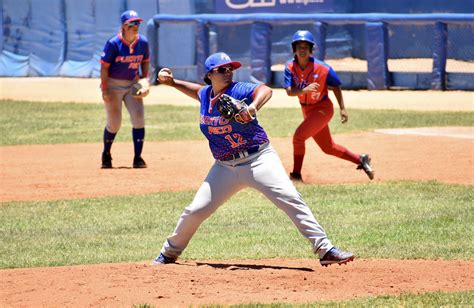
point(56, 123)
point(411, 220)
point(403, 220)
point(432, 299)
point(53, 123)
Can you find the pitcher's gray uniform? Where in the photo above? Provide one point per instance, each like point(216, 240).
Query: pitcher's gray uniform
point(243, 158)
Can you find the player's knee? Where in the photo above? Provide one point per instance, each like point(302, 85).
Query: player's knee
point(138, 122)
point(137, 119)
point(298, 140)
point(290, 198)
point(197, 212)
point(113, 126)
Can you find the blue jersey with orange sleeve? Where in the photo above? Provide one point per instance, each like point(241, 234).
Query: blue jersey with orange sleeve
point(229, 137)
point(315, 71)
point(125, 58)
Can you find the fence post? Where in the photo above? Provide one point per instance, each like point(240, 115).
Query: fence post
point(260, 53)
point(213, 48)
point(320, 40)
point(440, 51)
point(376, 50)
point(202, 48)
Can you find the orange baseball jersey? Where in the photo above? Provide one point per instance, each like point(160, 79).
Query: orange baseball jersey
point(315, 71)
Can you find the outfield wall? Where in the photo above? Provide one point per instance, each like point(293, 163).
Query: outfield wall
point(66, 37)
point(376, 43)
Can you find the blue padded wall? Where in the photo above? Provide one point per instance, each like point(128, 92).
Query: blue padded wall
point(377, 55)
point(48, 40)
point(177, 43)
point(261, 42)
point(16, 38)
point(80, 20)
point(440, 52)
point(66, 38)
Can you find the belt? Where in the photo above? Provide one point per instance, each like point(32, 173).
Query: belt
point(244, 153)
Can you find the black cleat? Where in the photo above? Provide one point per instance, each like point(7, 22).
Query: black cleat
point(365, 165)
point(294, 176)
point(336, 256)
point(138, 162)
point(106, 160)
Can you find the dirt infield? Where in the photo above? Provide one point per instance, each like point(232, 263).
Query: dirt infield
point(51, 172)
point(72, 170)
point(227, 282)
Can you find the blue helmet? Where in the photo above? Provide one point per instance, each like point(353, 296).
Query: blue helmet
point(302, 36)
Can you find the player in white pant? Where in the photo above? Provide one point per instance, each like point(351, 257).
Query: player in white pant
point(243, 158)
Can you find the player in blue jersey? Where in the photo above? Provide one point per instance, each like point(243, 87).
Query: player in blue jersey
point(243, 158)
point(125, 60)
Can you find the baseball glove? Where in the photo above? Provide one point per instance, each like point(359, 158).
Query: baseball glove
point(234, 109)
point(136, 89)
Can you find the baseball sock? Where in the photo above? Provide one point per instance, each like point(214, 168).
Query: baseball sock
point(138, 139)
point(108, 140)
point(297, 163)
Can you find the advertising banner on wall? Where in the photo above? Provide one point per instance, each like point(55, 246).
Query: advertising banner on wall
point(278, 6)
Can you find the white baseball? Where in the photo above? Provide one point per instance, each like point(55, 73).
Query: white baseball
point(163, 74)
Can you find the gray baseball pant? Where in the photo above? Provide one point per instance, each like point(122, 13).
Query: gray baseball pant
point(262, 171)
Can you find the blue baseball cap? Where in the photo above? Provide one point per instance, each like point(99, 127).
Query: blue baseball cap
point(217, 60)
point(129, 16)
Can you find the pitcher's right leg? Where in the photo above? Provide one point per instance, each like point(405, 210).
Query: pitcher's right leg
point(220, 184)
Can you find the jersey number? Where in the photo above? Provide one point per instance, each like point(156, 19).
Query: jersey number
point(315, 95)
point(235, 140)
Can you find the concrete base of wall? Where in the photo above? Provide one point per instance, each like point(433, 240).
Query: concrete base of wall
point(460, 81)
point(410, 80)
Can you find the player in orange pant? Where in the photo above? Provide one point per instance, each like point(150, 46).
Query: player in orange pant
point(309, 79)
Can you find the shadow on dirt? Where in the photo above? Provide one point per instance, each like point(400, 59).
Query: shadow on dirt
point(237, 267)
